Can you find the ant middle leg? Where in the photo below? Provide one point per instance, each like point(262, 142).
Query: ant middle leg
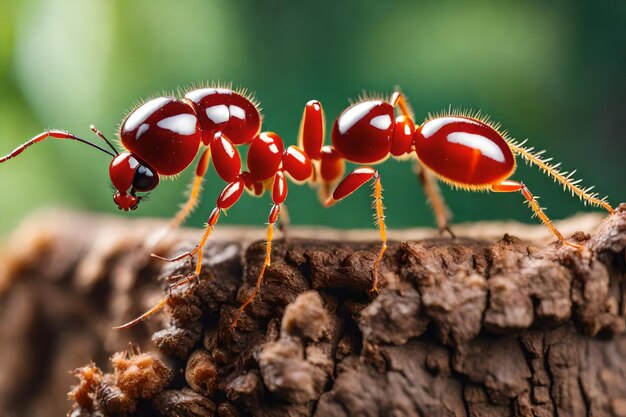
point(352, 182)
point(510, 186)
point(279, 195)
point(274, 213)
point(331, 167)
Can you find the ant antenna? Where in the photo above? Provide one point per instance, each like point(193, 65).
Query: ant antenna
point(86, 142)
point(97, 132)
point(56, 134)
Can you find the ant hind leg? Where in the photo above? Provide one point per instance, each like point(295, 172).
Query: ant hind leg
point(510, 186)
point(435, 198)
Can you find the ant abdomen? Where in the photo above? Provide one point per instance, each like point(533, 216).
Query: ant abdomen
point(464, 151)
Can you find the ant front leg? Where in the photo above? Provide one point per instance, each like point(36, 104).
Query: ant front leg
point(195, 191)
point(510, 186)
point(279, 194)
point(350, 184)
point(227, 198)
point(228, 166)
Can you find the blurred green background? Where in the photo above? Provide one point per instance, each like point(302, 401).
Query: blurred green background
point(554, 72)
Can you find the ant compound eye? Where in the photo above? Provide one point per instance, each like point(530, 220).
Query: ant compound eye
point(145, 179)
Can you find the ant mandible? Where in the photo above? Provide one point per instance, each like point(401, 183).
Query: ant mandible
point(164, 135)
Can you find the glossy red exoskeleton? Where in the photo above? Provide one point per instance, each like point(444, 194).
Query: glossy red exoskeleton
point(165, 135)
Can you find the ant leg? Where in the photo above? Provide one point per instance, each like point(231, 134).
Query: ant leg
point(510, 186)
point(285, 221)
point(198, 250)
point(181, 280)
point(397, 99)
point(565, 178)
point(158, 307)
point(312, 130)
point(56, 134)
point(267, 262)
point(279, 194)
point(215, 214)
point(196, 189)
point(434, 198)
point(226, 159)
point(228, 197)
point(428, 181)
point(350, 184)
point(331, 168)
point(328, 164)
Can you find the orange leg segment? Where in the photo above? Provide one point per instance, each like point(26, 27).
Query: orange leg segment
point(185, 279)
point(429, 182)
point(434, 197)
point(279, 195)
point(510, 186)
point(274, 213)
point(227, 198)
point(196, 189)
point(331, 167)
point(350, 184)
point(565, 178)
point(397, 99)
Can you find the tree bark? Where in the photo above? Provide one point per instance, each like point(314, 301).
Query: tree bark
point(474, 326)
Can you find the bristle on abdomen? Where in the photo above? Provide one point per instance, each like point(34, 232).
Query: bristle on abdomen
point(565, 178)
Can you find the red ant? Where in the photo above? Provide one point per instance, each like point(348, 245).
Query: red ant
point(164, 135)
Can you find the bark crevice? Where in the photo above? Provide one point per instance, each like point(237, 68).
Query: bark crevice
point(464, 327)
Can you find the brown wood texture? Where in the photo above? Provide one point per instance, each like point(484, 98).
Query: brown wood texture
point(484, 325)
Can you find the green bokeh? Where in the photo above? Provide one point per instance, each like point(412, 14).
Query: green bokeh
point(550, 71)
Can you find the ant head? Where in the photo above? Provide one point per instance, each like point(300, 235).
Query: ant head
point(130, 175)
point(126, 201)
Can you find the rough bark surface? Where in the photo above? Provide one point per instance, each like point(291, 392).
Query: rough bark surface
point(464, 327)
